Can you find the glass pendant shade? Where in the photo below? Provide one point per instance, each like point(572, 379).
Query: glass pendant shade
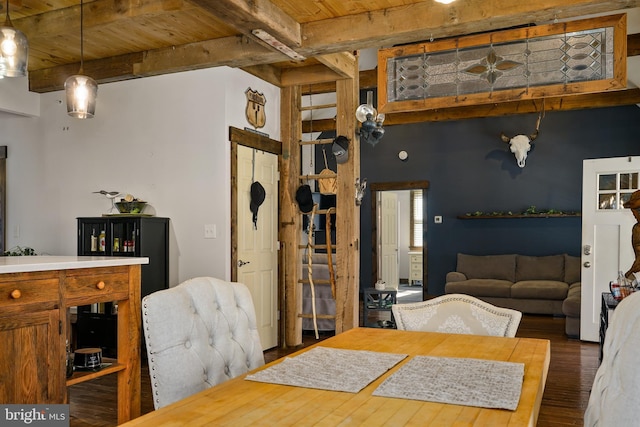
point(14, 50)
point(82, 92)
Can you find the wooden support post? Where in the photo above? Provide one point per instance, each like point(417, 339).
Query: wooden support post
point(347, 212)
point(290, 217)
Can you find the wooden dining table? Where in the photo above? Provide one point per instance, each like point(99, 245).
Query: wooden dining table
point(240, 402)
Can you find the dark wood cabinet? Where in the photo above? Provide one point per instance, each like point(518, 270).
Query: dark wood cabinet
point(120, 236)
point(609, 304)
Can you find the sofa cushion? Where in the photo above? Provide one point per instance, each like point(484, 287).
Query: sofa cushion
point(500, 267)
point(480, 288)
point(571, 269)
point(455, 276)
point(540, 268)
point(539, 289)
point(571, 305)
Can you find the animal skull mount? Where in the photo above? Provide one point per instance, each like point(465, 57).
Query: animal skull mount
point(521, 144)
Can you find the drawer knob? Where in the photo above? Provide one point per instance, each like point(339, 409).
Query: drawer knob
point(15, 294)
point(100, 285)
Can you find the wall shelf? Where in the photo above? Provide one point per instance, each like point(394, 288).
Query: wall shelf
point(520, 216)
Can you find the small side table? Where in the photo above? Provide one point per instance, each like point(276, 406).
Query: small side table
point(374, 300)
point(609, 304)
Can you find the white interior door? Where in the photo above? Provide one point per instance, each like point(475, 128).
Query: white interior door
point(389, 238)
point(606, 232)
point(258, 247)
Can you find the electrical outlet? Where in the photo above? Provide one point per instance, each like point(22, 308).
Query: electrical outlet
point(210, 231)
point(437, 219)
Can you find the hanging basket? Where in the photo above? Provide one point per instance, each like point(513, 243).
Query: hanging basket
point(327, 183)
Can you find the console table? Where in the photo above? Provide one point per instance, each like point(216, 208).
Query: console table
point(36, 293)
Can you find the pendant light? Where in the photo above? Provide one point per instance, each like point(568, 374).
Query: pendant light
point(14, 50)
point(81, 90)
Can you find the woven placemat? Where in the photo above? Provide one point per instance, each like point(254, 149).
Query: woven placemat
point(459, 381)
point(329, 369)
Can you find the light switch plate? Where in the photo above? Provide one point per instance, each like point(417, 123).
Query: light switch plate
point(210, 231)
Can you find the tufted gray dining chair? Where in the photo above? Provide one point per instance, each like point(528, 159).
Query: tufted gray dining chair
point(615, 396)
point(198, 334)
point(457, 314)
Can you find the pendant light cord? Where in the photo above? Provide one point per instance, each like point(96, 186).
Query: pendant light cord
point(81, 37)
point(7, 20)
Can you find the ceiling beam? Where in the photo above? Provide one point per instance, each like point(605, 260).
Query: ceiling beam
point(368, 80)
point(266, 72)
point(247, 16)
point(561, 103)
point(237, 51)
point(633, 45)
point(426, 20)
point(409, 23)
point(97, 13)
point(344, 64)
point(309, 75)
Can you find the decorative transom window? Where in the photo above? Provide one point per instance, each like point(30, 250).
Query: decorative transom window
point(614, 189)
point(526, 63)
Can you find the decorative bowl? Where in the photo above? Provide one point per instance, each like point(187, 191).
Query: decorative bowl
point(135, 207)
point(380, 285)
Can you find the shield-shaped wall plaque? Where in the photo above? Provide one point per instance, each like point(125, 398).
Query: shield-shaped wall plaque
point(255, 108)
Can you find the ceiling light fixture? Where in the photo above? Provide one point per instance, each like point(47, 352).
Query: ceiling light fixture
point(445, 1)
point(14, 50)
point(81, 90)
point(371, 130)
point(277, 44)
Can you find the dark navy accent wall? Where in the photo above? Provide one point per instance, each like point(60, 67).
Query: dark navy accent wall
point(470, 169)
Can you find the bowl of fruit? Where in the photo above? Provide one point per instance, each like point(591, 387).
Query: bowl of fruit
point(130, 205)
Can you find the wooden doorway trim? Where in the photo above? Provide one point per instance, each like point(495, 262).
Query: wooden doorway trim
point(251, 140)
point(393, 186)
point(3, 197)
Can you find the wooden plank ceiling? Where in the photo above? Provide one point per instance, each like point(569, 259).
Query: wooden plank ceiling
point(126, 39)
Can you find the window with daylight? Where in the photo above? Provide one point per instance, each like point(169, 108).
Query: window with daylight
point(614, 189)
point(416, 219)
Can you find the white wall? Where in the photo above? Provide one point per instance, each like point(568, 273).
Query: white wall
point(15, 97)
point(163, 139)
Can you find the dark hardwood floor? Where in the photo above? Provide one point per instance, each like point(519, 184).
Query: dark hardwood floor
point(571, 372)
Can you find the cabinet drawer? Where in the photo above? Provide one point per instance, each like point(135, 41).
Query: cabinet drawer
point(416, 258)
point(37, 294)
point(101, 285)
point(416, 275)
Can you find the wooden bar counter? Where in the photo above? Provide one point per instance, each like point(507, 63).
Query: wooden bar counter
point(35, 295)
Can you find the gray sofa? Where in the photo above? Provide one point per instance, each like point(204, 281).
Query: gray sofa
point(530, 284)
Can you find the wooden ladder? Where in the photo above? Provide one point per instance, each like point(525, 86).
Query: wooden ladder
point(307, 251)
point(347, 213)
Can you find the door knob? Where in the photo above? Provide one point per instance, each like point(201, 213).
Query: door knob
point(241, 263)
point(587, 264)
